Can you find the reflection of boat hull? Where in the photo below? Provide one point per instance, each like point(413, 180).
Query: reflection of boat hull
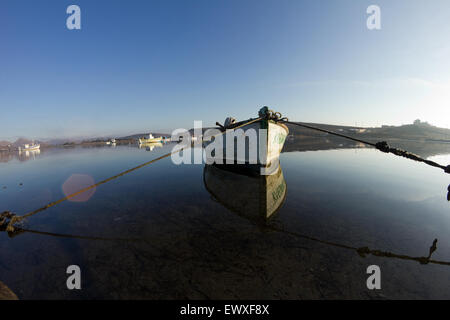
point(256, 198)
point(150, 145)
point(23, 154)
point(263, 150)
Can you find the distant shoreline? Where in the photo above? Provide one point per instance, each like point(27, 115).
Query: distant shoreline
point(420, 138)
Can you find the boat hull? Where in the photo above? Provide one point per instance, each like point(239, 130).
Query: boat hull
point(146, 141)
point(256, 148)
point(32, 148)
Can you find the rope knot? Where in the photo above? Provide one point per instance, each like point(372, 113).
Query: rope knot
point(382, 146)
point(363, 251)
point(4, 217)
point(268, 114)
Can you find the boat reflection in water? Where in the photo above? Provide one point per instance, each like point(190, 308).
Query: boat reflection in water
point(149, 146)
point(28, 154)
point(256, 198)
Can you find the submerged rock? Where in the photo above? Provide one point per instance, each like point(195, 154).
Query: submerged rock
point(6, 293)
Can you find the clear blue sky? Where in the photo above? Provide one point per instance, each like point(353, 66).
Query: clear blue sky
point(152, 65)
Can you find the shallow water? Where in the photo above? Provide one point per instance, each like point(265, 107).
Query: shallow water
point(158, 233)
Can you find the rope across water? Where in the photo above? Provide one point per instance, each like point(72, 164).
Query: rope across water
point(14, 219)
point(264, 113)
point(382, 146)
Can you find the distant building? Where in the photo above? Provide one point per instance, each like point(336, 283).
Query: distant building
point(357, 130)
point(420, 123)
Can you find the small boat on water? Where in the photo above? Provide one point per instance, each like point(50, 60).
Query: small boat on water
point(256, 198)
point(30, 147)
point(150, 139)
point(263, 141)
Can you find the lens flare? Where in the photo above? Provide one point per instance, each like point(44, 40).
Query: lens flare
point(75, 183)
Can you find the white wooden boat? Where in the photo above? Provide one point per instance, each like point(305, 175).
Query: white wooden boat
point(150, 139)
point(150, 145)
point(262, 150)
point(30, 147)
point(256, 198)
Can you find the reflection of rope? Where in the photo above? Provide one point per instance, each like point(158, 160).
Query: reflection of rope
point(18, 231)
point(13, 219)
point(362, 251)
point(382, 146)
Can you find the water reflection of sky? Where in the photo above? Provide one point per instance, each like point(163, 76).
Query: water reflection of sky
point(443, 159)
point(353, 197)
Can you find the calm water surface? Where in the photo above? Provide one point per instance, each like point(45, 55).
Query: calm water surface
point(158, 233)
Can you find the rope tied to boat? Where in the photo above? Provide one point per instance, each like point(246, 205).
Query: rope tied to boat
point(14, 219)
point(383, 146)
point(264, 113)
point(363, 251)
point(268, 114)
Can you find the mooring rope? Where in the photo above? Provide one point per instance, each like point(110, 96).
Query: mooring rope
point(382, 146)
point(264, 113)
point(361, 251)
point(13, 219)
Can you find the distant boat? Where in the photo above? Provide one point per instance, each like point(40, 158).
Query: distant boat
point(272, 145)
point(150, 139)
point(111, 142)
point(30, 147)
point(256, 198)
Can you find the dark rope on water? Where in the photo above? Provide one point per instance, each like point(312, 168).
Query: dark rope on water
point(265, 113)
point(382, 146)
point(361, 251)
point(11, 219)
